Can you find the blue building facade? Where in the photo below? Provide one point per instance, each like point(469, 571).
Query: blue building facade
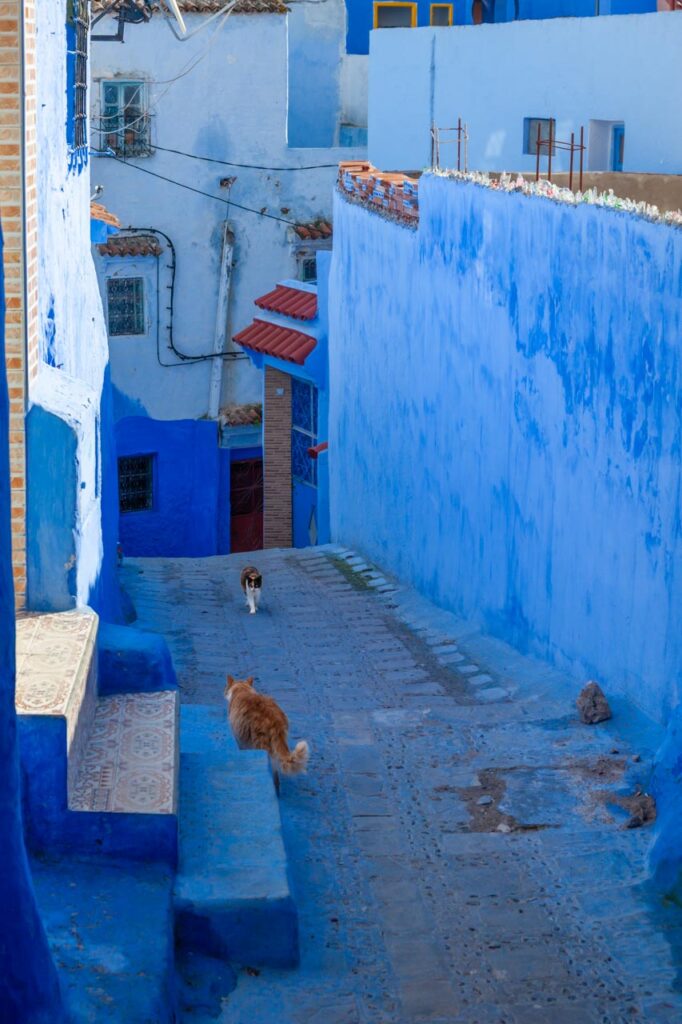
point(288, 342)
point(365, 15)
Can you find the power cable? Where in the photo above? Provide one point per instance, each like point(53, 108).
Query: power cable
point(248, 167)
point(208, 195)
point(184, 357)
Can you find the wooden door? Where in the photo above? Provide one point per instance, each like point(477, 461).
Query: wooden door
point(246, 505)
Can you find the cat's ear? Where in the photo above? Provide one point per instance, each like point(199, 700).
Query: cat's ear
point(249, 681)
point(230, 681)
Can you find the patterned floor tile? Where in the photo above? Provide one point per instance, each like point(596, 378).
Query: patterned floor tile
point(54, 654)
point(129, 762)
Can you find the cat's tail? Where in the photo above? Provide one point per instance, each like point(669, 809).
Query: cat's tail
point(293, 762)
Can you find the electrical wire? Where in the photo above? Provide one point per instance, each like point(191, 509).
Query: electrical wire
point(170, 20)
point(200, 192)
point(209, 159)
point(188, 67)
point(184, 357)
point(248, 167)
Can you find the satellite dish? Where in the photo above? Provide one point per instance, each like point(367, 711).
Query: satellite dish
point(173, 4)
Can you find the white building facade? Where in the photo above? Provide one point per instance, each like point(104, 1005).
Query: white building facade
point(196, 158)
point(616, 78)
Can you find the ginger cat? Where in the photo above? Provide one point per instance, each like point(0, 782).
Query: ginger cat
point(258, 723)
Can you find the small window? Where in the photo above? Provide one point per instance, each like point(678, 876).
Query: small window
point(125, 125)
point(125, 305)
point(530, 135)
point(77, 25)
point(441, 15)
point(308, 269)
point(395, 15)
point(136, 483)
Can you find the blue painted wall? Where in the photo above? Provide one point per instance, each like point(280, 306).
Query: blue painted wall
point(315, 45)
point(361, 13)
point(505, 423)
point(29, 987)
point(191, 513)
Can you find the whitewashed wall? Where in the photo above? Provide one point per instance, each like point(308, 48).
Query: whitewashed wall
point(231, 106)
point(70, 310)
point(624, 68)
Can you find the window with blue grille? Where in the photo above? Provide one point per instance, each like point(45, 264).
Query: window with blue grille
point(125, 125)
point(125, 305)
point(77, 27)
point(303, 431)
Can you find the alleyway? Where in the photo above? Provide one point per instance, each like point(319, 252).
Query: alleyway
point(452, 855)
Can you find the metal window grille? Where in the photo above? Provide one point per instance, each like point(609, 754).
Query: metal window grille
point(308, 270)
point(78, 19)
point(546, 125)
point(304, 431)
point(136, 483)
point(125, 305)
point(125, 122)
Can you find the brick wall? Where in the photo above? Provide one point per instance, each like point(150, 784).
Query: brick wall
point(277, 525)
point(18, 193)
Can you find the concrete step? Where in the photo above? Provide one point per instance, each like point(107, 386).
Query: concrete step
point(126, 787)
point(110, 928)
point(232, 894)
point(56, 691)
point(99, 776)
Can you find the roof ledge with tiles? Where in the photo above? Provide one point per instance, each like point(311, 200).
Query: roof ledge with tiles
point(395, 196)
point(286, 327)
point(130, 245)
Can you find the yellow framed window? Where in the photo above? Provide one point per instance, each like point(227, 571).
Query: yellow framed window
point(441, 15)
point(395, 14)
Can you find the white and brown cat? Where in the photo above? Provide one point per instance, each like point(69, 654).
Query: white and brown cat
point(252, 584)
point(258, 723)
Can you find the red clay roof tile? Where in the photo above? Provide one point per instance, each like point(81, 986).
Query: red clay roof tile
point(130, 245)
point(273, 340)
point(316, 230)
point(99, 212)
point(293, 302)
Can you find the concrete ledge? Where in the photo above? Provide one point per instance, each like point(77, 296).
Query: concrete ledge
point(232, 895)
point(133, 661)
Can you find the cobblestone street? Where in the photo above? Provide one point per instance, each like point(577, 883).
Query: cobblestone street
point(455, 851)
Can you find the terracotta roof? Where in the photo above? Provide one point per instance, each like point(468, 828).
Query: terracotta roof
point(395, 194)
point(210, 6)
point(99, 212)
point(273, 340)
point(293, 302)
point(318, 229)
point(250, 415)
point(130, 245)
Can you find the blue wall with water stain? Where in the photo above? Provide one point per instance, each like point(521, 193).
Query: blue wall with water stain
point(29, 987)
point(506, 423)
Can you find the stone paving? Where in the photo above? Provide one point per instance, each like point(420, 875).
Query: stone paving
point(457, 850)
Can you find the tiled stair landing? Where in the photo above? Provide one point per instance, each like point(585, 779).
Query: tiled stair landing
point(100, 774)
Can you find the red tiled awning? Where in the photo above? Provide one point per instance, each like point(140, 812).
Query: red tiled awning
point(273, 340)
point(293, 302)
